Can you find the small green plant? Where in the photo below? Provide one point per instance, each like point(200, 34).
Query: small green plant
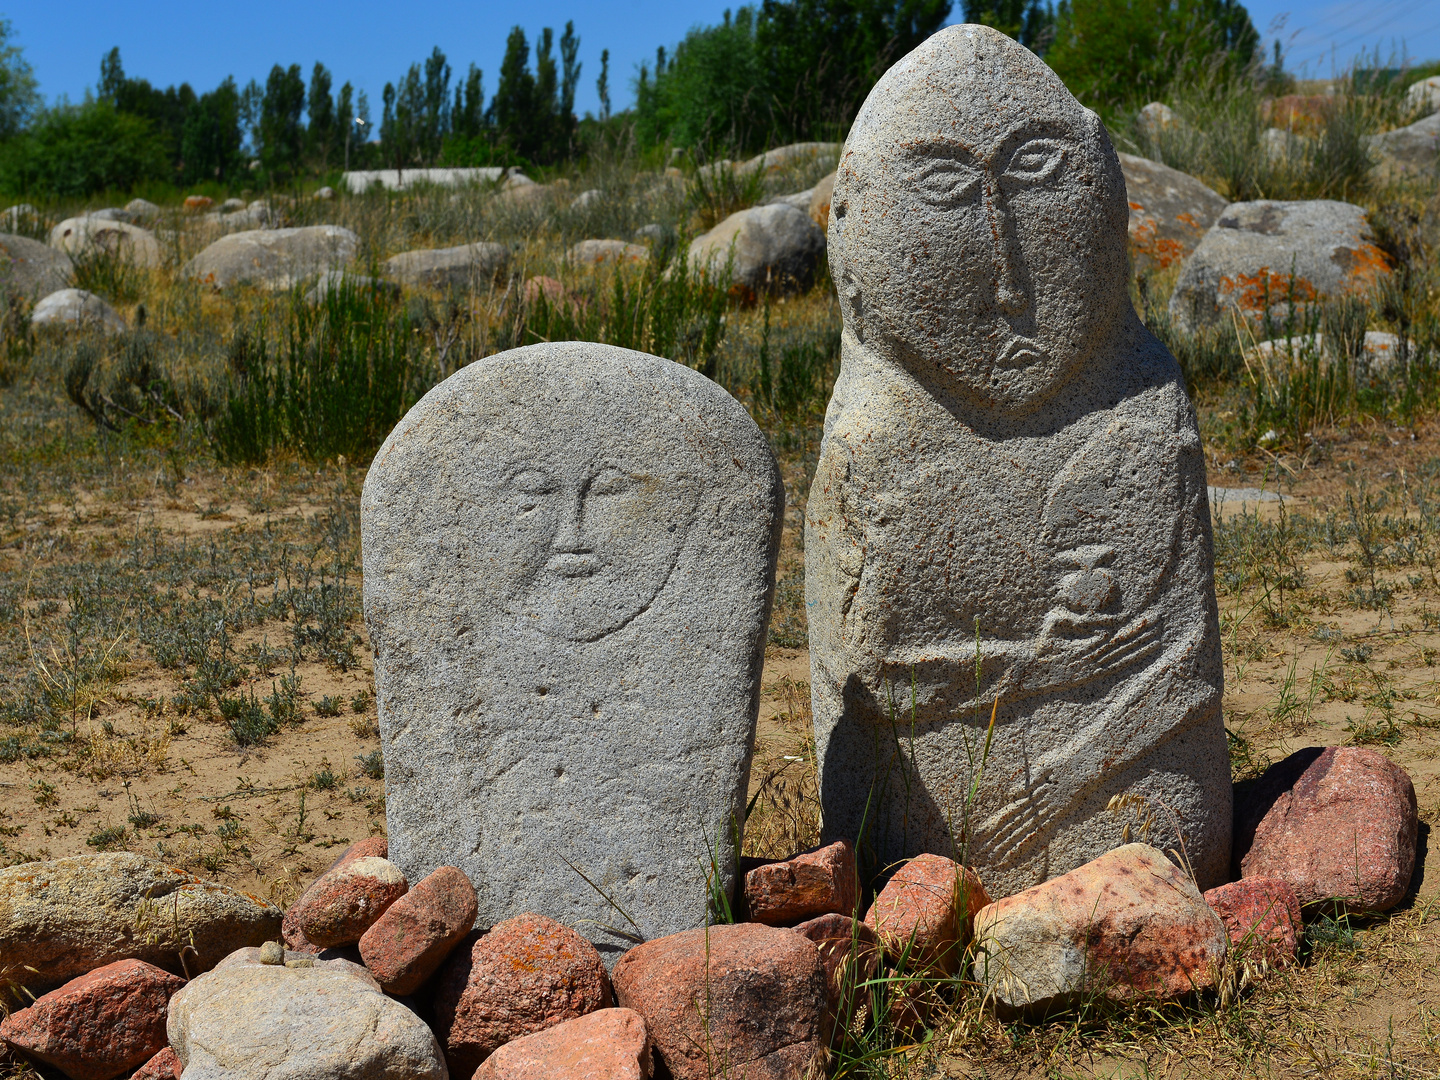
point(107, 839)
point(249, 723)
point(328, 706)
point(372, 764)
point(360, 702)
point(325, 779)
point(45, 794)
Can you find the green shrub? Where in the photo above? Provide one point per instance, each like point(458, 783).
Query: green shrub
point(81, 149)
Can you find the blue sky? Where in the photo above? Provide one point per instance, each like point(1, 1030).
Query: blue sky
point(369, 42)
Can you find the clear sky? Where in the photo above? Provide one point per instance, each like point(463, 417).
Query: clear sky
point(368, 42)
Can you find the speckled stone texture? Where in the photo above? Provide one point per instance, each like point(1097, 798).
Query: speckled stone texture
point(1170, 211)
point(851, 953)
point(527, 974)
point(569, 557)
point(1130, 924)
point(1262, 916)
point(163, 1066)
point(812, 883)
point(415, 935)
point(348, 900)
point(1249, 257)
point(925, 913)
point(1338, 823)
point(371, 847)
point(1010, 466)
point(97, 1026)
point(744, 1001)
point(611, 1044)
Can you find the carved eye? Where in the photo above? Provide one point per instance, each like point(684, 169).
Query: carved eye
point(611, 481)
point(531, 486)
point(947, 182)
point(1036, 161)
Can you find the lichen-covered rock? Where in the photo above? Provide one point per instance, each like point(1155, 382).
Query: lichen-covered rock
point(1129, 925)
point(525, 975)
point(851, 953)
point(1339, 824)
point(165, 1065)
point(69, 916)
point(100, 1025)
point(266, 1022)
point(611, 1044)
point(371, 847)
point(749, 996)
point(1258, 256)
point(1170, 212)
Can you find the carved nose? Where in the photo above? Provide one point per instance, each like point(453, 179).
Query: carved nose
point(570, 528)
point(1010, 291)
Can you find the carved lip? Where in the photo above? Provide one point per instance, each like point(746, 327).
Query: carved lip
point(1020, 352)
point(573, 564)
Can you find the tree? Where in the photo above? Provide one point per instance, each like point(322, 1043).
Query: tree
point(74, 150)
point(19, 99)
point(602, 85)
point(1027, 21)
point(281, 134)
point(322, 129)
point(513, 110)
point(1120, 53)
point(164, 109)
point(713, 92)
point(416, 119)
point(211, 138)
point(467, 118)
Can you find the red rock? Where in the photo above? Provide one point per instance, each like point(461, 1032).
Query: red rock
point(813, 883)
point(99, 1025)
point(163, 1066)
point(526, 974)
point(741, 1001)
point(610, 1044)
point(925, 913)
point(851, 953)
point(1337, 823)
point(1260, 912)
point(373, 847)
point(348, 900)
point(412, 939)
point(1129, 924)
point(540, 285)
point(198, 202)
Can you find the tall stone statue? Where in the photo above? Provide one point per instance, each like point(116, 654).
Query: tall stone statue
point(1010, 502)
point(569, 556)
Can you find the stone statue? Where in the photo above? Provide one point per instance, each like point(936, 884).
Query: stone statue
point(1010, 501)
point(569, 557)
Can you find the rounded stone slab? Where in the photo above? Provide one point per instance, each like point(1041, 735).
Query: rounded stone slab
point(569, 556)
point(273, 258)
point(1010, 499)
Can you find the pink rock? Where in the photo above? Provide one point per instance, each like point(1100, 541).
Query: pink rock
point(743, 1001)
point(1129, 924)
point(525, 975)
point(99, 1025)
point(412, 939)
point(610, 1044)
point(163, 1066)
point(347, 901)
point(1263, 913)
point(1337, 823)
point(375, 846)
point(851, 953)
point(540, 285)
point(814, 883)
point(925, 913)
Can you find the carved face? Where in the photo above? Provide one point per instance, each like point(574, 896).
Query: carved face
point(974, 237)
point(586, 535)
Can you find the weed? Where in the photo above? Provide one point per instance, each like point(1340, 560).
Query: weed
point(360, 702)
point(372, 764)
point(107, 839)
point(328, 706)
point(325, 779)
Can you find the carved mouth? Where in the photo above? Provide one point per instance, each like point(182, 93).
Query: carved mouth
point(573, 564)
point(1020, 352)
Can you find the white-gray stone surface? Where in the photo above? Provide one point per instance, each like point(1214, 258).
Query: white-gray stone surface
point(77, 308)
point(251, 1021)
point(602, 252)
point(31, 269)
point(1256, 251)
point(776, 248)
point(273, 258)
point(1424, 94)
point(1409, 151)
point(79, 236)
point(1011, 468)
point(569, 555)
point(466, 266)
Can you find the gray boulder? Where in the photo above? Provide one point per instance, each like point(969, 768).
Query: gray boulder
point(325, 194)
point(776, 248)
point(142, 210)
point(1411, 150)
point(297, 1021)
point(587, 199)
point(820, 194)
point(273, 258)
point(1424, 94)
point(77, 308)
point(231, 205)
point(80, 236)
point(600, 252)
point(69, 916)
point(30, 268)
point(112, 213)
point(791, 156)
point(1170, 211)
point(1246, 261)
point(443, 268)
